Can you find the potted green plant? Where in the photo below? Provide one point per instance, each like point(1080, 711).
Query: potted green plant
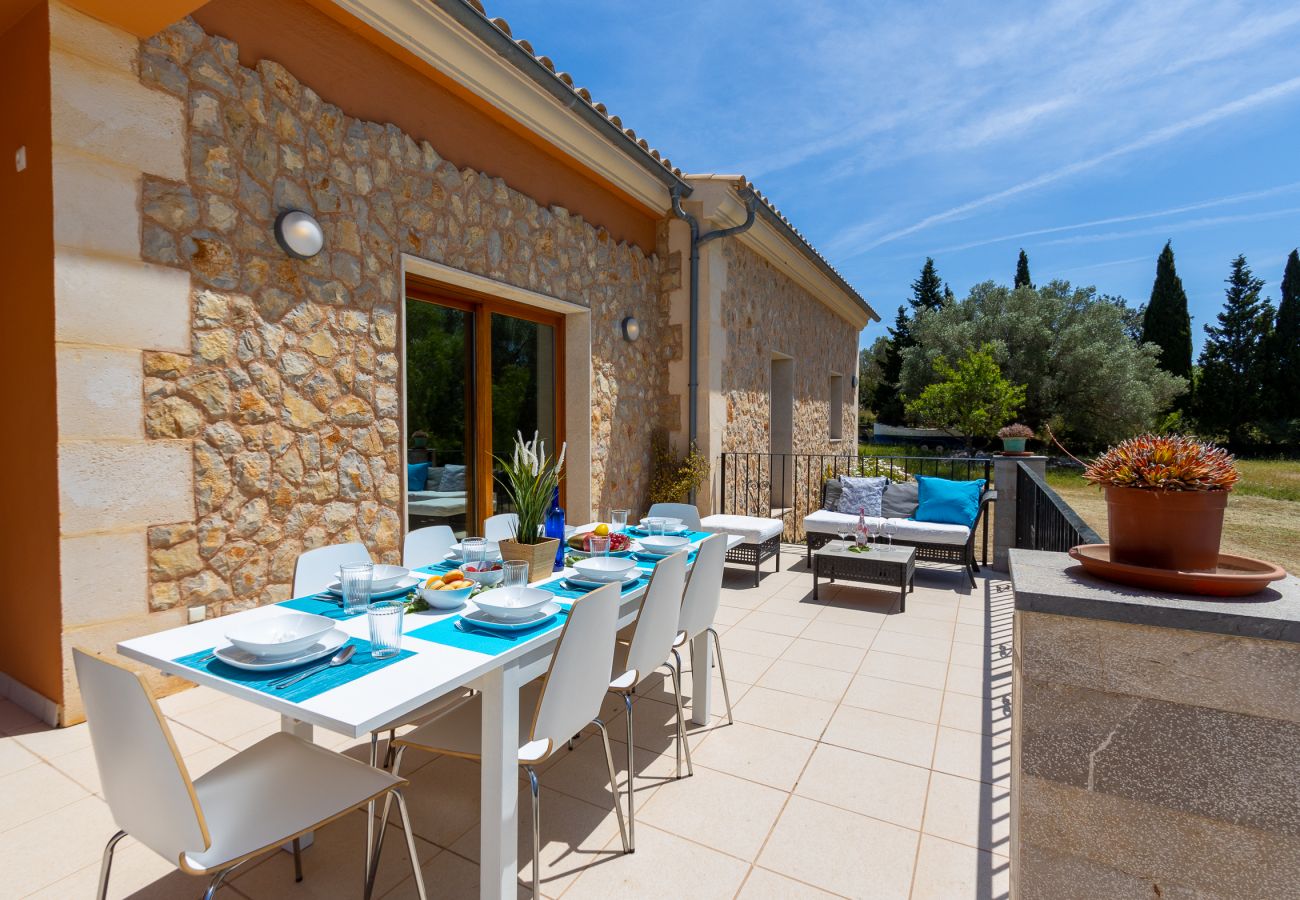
point(1014, 437)
point(530, 478)
point(1165, 497)
point(419, 440)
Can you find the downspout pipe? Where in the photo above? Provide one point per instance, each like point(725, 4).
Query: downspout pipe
point(697, 239)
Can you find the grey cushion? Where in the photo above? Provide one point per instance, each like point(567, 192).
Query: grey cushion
point(832, 489)
point(453, 479)
point(900, 500)
point(862, 494)
point(435, 478)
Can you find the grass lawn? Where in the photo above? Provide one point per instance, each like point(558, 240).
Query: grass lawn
point(1262, 520)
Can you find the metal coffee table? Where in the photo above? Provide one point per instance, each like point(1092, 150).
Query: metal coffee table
point(880, 564)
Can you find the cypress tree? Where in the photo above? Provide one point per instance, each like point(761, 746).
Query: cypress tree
point(1166, 322)
point(1284, 385)
point(886, 402)
point(1234, 359)
point(1022, 271)
point(948, 296)
point(925, 289)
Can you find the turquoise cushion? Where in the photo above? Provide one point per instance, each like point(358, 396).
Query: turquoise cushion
point(948, 502)
point(416, 475)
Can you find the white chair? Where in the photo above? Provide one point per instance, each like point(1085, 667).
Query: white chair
point(701, 600)
point(567, 699)
point(648, 650)
point(316, 569)
point(689, 515)
point(501, 527)
point(424, 546)
point(270, 794)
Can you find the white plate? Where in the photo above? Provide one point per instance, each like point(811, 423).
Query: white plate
point(397, 590)
point(583, 584)
point(479, 619)
point(232, 655)
point(383, 577)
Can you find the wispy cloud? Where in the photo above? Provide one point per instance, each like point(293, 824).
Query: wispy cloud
point(1204, 222)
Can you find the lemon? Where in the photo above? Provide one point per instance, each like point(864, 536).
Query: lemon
point(601, 530)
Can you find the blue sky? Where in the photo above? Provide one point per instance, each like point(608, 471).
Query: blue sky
point(1086, 132)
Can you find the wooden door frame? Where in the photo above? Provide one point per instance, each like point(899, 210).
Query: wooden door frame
point(482, 307)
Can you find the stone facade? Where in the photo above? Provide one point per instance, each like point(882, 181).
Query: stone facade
point(290, 393)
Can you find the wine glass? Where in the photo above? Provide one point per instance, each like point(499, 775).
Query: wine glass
point(890, 528)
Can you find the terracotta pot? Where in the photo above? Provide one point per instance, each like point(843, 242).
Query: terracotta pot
point(1166, 529)
point(540, 557)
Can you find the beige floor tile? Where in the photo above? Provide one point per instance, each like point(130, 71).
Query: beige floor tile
point(909, 670)
point(53, 846)
point(226, 718)
point(969, 812)
point(443, 797)
point(841, 851)
point(718, 810)
point(747, 640)
point(14, 756)
point(869, 785)
point(974, 756)
point(781, 711)
point(743, 599)
point(759, 754)
point(81, 768)
point(987, 715)
point(948, 871)
point(859, 636)
point(932, 610)
point(742, 666)
point(581, 772)
point(800, 606)
point(137, 873)
point(449, 875)
point(806, 680)
point(968, 616)
point(49, 743)
point(765, 885)
point(16, 720)
point(35, 792)
point(206, 760)
point(894, 697)
point(775, 623)
point(906, 740)
point(858, 611)
point(191, 698)
point(910, 645)
point(975, 635)
point(728, 615)
point(976, 656)
point(827, 656)
point(252, 736)
point(188, 740)
point(576, 836)
point(979, 682)
point(916, 625)
point(664, 865)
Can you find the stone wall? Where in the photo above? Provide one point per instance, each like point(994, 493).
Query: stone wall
point(290, 391)
point(763, 312)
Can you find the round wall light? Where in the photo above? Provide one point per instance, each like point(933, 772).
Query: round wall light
point(298, 234)
point(631, 329)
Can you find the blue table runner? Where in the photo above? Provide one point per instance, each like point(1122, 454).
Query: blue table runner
point(483, 640)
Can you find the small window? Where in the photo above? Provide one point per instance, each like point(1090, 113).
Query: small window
point(836, 406)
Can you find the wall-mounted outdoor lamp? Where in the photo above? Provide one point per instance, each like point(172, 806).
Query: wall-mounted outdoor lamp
point(853, 381)
point(298, 234)
point(631, 329)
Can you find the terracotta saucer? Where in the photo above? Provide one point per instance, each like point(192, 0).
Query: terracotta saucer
point(1015, 453)
point(1237, 576)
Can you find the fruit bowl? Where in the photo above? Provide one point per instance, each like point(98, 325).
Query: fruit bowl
point(490, 574)
point(448, 591)
point(619, 544)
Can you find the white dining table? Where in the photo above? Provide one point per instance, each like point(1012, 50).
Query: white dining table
point(371, 703)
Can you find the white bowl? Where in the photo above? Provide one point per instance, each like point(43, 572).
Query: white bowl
point(663, 545)
point(382, 577)
point(670, 524)
point(493, 551)
point(282, 635)
point(487, 576)
point(510, 604)
point(446, 599)
point(604, 568)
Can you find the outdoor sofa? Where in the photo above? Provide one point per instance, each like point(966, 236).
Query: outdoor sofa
point(945, 542)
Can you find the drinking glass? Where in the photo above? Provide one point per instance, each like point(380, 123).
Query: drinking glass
point(385, 618)
point(473, 551)
point(655, 525)
point(598, 546)
point(514, 573)
point(890, 528)
point(618, 519)
point(356, 579)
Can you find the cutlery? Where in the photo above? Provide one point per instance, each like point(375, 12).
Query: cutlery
point(474, 629)
point(337, 659)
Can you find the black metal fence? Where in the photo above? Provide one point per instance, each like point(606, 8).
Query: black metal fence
point(788, 486)
point(1043, 520)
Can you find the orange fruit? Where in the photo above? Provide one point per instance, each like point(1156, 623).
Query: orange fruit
point(453, 575)
point(433, 582)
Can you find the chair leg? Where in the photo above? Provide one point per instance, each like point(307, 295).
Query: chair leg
point(410, 843)
point(215, 884)
point(722, 672)
point(613, 785)
point(682, 743)
point(297, 860)
point(370, 807)
point(383, 820)
point(631, 801)
point(388, 753)
point(535, 789)
point(107, 864)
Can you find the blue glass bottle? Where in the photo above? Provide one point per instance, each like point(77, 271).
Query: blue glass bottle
point(555, 528)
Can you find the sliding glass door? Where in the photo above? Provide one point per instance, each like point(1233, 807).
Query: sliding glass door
point(477, 372)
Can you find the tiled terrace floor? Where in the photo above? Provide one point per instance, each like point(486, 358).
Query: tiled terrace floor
point(869, 758)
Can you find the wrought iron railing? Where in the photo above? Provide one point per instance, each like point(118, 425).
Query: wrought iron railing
point(788, 486)
point(1043, 520)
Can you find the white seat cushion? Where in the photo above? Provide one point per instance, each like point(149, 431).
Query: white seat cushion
point(825, 522)
point(751, 529)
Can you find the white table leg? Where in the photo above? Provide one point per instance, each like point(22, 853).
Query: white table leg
point(701, 678)
point(305, 731)
point(499, 828)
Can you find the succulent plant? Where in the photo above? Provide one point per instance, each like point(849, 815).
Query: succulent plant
point(1016, 431)
point(1164, 463)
